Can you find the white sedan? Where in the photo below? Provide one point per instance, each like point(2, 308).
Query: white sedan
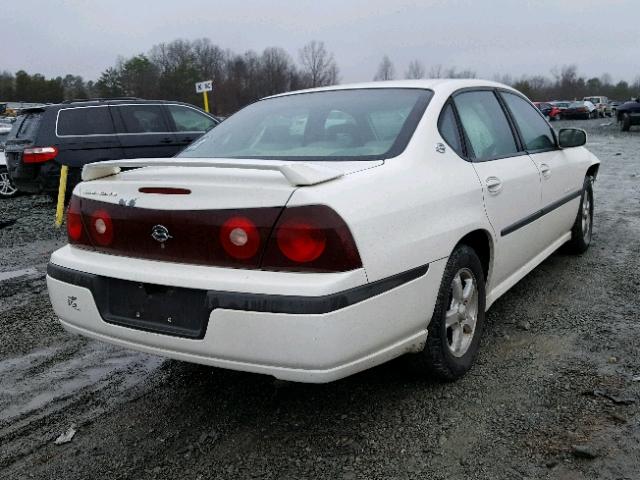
point(316, 234)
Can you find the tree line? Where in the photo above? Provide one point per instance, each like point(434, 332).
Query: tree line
point(170, 70)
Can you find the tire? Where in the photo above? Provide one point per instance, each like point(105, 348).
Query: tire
point(7, 188)
point(626, 123)
point(582, 230)
point(442, 357)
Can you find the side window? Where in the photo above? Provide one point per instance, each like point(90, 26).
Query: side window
point(189, 120)
point(143, 119)
point(485, 124)
point(536, 133)
point(84, 121)
point(449, 129)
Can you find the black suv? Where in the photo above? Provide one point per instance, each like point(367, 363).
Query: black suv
point(79, 132)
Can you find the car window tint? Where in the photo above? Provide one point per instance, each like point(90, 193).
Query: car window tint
point(143, 118)
point(26, 126)
point(485, 125)
point(449, 129)
point(85, 121)
point(189, 120)
point(536, 133)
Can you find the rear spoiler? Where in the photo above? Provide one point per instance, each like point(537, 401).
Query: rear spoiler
point(296, 173)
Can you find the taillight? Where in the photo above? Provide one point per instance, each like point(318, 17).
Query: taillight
point(301, 241)
point(101, 228)
point(74, 221)
point(311, 238)
point(39, 154)
point(240, 238)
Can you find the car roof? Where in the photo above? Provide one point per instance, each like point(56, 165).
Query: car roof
point(101, 101)
point(439, 85)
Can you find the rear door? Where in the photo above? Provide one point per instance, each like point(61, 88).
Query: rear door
point(188, 123)
point(144, 131)
point(559, 169)
point(510, 180)
point(85, 135)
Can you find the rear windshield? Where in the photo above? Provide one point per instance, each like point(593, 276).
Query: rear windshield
point(364, 124)
point(84, 121)
point(26, 127)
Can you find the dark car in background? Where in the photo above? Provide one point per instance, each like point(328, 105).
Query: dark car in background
point(80, 132)
point(581, 109)
point(628, 114)
point(550, 111)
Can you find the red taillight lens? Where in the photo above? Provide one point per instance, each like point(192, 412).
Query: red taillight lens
point(101, 228)
point(74, 221)
point(300, 241)
point(240, 238)
point(311, 238)
point(39, 154)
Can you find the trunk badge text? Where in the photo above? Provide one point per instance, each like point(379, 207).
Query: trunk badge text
point(160, 233)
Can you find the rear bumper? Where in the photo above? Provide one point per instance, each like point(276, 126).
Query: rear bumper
point(39, 177)
point(283, 337)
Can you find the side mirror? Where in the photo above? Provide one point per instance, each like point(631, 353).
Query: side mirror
point(571, 137)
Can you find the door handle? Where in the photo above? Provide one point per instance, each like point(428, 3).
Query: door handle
point(166, 140)
point(494, 185)
point(545, 170)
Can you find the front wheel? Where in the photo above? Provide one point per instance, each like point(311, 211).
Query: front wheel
point(454, 333)
point(7, 188)
point(582, 230)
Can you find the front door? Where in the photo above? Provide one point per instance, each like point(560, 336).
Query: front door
point(144, 131)
point(561, 186)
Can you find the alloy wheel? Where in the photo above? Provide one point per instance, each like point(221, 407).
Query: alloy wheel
point(6, 187)
point(586, 218)
point(462, 315)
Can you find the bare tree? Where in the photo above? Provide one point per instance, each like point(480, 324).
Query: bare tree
point(435, 71)
point(277, 69)
point(453, 72)
point(318, 65)
point(415, 70)
point(386, 70)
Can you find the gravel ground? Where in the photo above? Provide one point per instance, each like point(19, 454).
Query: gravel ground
point(553, 395)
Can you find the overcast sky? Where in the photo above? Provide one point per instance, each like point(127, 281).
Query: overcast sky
point(83, 37)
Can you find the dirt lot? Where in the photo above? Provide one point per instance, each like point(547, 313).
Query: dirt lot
point(558, 379)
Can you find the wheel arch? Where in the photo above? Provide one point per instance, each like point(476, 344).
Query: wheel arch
point(481, 242)
point(592, 171)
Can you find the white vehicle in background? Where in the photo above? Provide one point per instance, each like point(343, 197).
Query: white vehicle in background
point(316, 234)
point(602, 105)
point(7, 189)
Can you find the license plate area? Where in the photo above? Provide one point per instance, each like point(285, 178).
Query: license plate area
point(181, 312)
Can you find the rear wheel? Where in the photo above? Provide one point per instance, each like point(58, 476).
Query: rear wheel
point(582, 230)
point(7, 188)
point(626, 122)
point(454, 333)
